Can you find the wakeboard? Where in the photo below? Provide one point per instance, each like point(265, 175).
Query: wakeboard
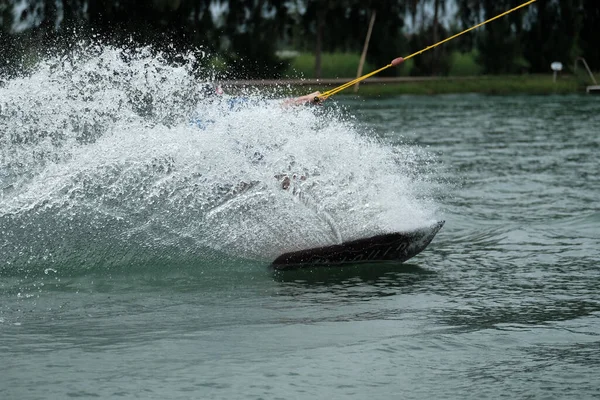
point(396, 246)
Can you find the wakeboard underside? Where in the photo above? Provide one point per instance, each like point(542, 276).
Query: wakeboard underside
point(397, 246)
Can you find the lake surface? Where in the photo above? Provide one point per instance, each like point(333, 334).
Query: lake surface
point(504, 303)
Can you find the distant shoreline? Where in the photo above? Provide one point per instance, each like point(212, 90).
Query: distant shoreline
point(427, 85)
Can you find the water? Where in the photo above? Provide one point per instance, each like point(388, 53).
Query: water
point(135, 245)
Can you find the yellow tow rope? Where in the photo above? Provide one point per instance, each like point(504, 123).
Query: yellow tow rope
point(400, 60)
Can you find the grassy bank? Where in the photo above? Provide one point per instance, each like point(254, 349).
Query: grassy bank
point(497, 84)
point(465, 77)
point(507, 84)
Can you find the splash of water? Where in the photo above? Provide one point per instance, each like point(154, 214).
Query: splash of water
point(109, 157)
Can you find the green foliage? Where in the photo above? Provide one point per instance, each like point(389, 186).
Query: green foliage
point(334, 65)
point(218, 65)
point(406, 67)
point(341, 26)
point(435, 61)
point(465, 64)
point(247, 33)
point(553, 35)
point(529, 39)
point(499, 46)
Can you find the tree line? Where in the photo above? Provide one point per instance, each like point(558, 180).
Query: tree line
point(248, 33)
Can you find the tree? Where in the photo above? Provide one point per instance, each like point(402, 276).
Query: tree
point(436, 34)
point(532, 38)
point(589, 42)
point(252, 29)
point(437, 60)
point(388, 40)
point(499, 46)
point(342, 26)
point(412, 6)
point(553, 35)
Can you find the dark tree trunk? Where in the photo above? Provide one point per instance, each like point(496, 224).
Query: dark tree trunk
point(436, 37)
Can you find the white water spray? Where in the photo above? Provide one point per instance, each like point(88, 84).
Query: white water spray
point(110, 157)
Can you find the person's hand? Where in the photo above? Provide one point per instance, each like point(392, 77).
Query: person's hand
point(308, 98)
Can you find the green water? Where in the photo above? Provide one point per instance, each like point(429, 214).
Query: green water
point(504, 303)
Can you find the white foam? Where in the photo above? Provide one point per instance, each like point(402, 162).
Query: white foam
point(106, 137)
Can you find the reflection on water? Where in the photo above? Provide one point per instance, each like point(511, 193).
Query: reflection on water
point(351, 283)
point(384, 274)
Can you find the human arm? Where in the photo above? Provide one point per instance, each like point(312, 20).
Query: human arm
point(308, 98)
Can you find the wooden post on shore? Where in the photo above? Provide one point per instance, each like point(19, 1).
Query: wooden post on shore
point(363, 56)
